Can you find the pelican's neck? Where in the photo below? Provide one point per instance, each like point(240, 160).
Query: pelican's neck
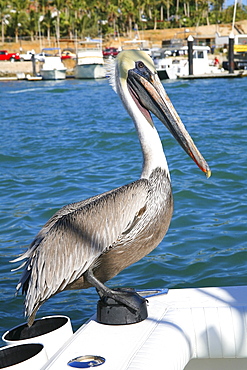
point(153, 153)
point(152, 149)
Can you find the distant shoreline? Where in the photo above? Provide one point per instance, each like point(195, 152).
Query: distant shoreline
point(11, 69)
point(153, 37)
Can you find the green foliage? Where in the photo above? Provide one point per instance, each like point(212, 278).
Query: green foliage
point(94, 17)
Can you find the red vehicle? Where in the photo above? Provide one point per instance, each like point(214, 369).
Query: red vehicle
point(68, 54)
point(110, 52)
point(4, 55)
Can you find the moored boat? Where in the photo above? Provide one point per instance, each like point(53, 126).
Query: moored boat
point(176, 66)
point(89, 60)
point(53, 69)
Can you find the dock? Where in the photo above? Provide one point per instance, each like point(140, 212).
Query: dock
point(226, 74)
point(8, 78)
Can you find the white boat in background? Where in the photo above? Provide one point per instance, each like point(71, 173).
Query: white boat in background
point(52, 68)
point(89, 60)
point(173, 67)
point(186, 329)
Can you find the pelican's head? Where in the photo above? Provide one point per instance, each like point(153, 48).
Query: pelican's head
point(136, 79)
point(127, 60)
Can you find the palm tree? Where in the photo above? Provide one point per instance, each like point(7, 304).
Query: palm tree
point(128, 10)
point(59, 4)
point(3, 16)
point(113, 14)
point(19, 15)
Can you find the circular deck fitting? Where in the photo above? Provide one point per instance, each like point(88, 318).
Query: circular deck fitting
point(84, 362)
point(23, 356)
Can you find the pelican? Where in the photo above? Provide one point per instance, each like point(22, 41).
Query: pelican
point(87, 243)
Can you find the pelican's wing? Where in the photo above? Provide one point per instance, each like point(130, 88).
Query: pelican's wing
point(75, 237)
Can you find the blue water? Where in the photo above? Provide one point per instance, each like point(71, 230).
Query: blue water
point(67, 140)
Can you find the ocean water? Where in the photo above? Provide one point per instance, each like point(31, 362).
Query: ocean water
point(63, 141)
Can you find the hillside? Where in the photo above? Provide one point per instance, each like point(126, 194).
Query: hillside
point(223, 29)
point(154, 37)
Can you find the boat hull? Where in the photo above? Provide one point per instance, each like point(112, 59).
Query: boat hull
point(90, 71)
point(53, 74)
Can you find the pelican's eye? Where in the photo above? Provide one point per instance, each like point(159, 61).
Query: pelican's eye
point(142, 70)
point(140, 65)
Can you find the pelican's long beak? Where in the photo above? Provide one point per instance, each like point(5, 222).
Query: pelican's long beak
point(147, 91)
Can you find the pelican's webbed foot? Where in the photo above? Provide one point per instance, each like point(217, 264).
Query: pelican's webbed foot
point(119, 306)
point(126, 296)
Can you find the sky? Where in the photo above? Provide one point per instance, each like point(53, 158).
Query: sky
point(231, 2)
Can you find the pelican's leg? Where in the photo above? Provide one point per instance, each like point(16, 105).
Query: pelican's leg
point(122, 296)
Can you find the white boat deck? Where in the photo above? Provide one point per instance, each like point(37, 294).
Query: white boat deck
point(205, 325)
